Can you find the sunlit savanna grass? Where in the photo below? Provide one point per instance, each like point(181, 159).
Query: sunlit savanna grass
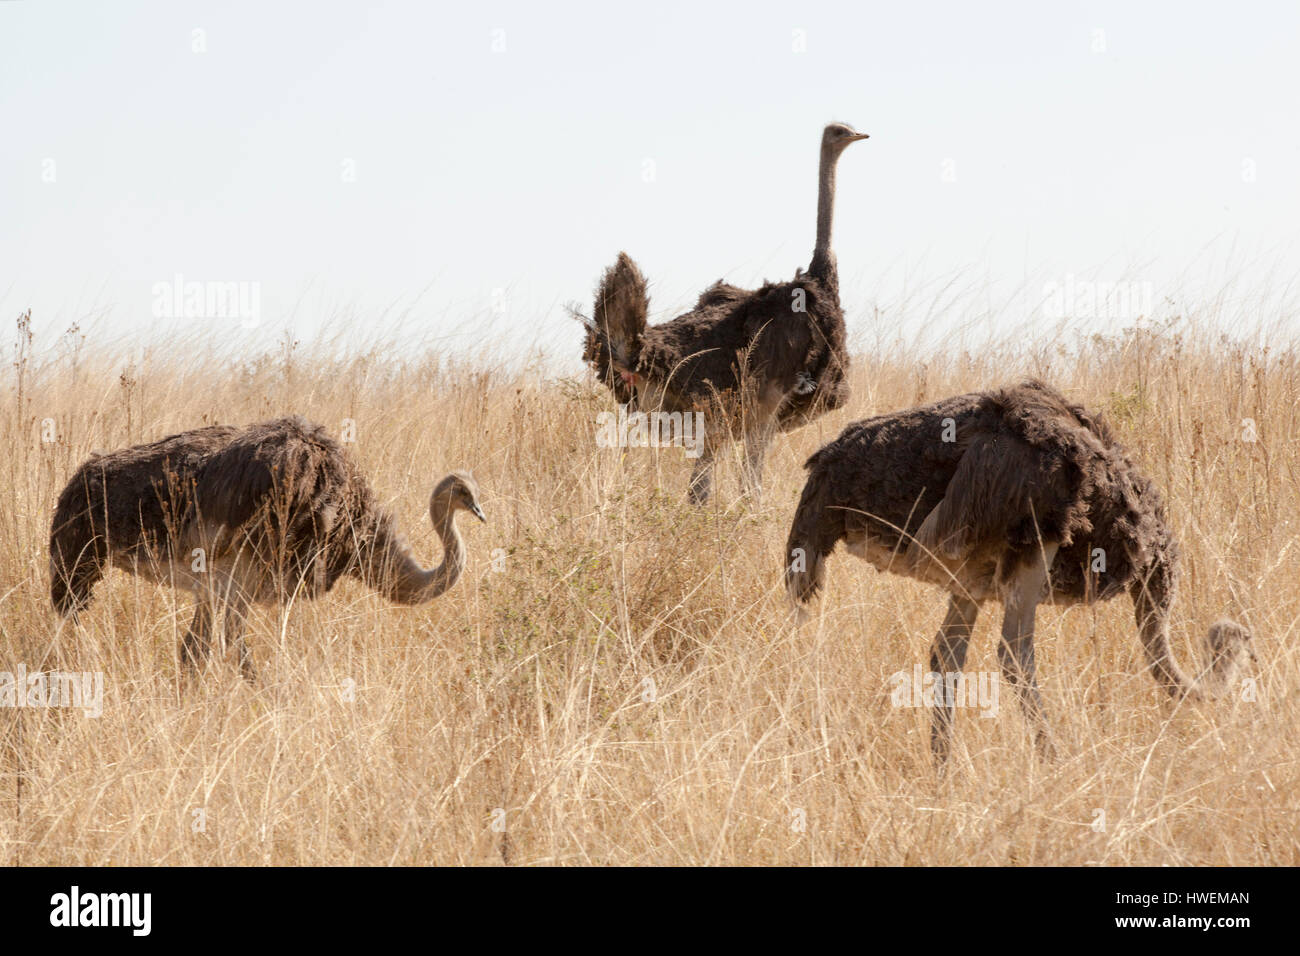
point(622, 679)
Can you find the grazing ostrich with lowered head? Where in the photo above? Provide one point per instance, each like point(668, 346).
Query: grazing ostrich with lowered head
point(760, 360)
point(261, 514)
point(1013, 494)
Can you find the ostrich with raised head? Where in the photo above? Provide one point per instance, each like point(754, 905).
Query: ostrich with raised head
point(755, 361)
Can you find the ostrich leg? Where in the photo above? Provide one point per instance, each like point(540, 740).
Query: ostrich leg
point(756, 441)
point(236, 609)
point(701, 477)
point(197, 640)
point(1016, 649)
point(948, 656)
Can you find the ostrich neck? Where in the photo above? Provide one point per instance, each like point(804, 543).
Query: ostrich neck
point(408, 583)
point(823, 260)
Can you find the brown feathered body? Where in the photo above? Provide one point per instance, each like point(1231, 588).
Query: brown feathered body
point(1016, 495)
point(965, 490)
point(280, 502)
point(778, 350)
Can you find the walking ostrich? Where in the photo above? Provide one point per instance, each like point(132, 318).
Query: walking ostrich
point(761, 360)
point(261, 514)
point(1015, 495)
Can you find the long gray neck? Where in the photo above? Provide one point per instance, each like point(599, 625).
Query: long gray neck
point(823, 260)
point(404, 581)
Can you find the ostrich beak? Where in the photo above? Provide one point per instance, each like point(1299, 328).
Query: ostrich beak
point(478, 512)
point(859, 136)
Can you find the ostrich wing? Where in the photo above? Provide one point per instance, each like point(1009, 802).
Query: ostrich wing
point(278, 489)
point(999, 495)
point(233, 486)
point(731, 333)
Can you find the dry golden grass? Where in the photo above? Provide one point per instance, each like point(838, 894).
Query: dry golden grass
point(381, 735)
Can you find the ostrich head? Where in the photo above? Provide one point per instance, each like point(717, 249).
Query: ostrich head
point(458, 491)
point(1226, 641)
point(837, 136)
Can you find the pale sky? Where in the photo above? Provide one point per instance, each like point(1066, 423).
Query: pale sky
point(477, 165)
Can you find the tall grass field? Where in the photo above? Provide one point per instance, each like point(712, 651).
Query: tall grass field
point(616, 678)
